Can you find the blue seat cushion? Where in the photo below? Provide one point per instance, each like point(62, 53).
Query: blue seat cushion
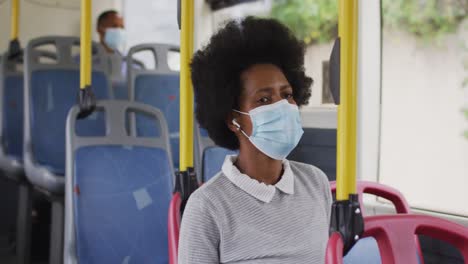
point(121, 203)
point(53, 93)
point(13, 116)
point(213, 159)
point(365, 251)
point(162, 92)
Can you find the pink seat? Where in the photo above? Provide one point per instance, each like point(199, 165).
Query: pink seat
point(174, 227)
point(380, 190)
point(386, 192)
point(395, 237)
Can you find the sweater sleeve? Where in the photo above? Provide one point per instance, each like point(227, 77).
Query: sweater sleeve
point(199, 235)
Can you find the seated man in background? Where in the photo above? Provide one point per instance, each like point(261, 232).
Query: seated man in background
point(112, 36)
point(110, 27)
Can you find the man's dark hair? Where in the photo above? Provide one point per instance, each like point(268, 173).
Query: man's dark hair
point(104, 15)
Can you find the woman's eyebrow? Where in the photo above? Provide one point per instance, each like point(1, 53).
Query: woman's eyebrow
point(270, 89)
point(285, 86)
point(263, 90)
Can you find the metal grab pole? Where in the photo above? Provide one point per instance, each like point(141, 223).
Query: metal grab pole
point(14, 48)
point(14, 19)
point(186, 91)
point(346, 217)
point(186, 180)
point(87, 101)
point(347, 109)
point(85, 44)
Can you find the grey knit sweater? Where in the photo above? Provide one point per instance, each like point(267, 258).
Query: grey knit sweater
point(235, 219)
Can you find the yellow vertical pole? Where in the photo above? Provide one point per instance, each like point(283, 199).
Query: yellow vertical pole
point(186, 91)
point(14, 19)
point(85, 44)
point(347, 109)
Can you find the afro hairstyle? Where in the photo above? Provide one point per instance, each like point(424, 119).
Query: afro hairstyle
point(216, 70)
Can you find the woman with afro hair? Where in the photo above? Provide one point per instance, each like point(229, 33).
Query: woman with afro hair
point(260, 208)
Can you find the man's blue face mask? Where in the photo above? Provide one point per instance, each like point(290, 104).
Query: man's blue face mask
point(276, 128)
point(115, 38)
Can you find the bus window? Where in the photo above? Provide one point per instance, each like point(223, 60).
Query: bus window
point(424, 152)
point(142, 27)
point(316, 23)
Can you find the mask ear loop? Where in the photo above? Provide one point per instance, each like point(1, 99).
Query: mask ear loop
point(237, 111)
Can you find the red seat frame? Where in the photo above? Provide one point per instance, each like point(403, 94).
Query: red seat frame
point(173, 225)
point(386, 192)
point(380, 190)
point(395, 237)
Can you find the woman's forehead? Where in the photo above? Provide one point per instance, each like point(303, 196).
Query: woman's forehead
point(263, 77)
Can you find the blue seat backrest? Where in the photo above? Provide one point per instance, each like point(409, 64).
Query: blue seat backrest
point(366, 251)
point(13, 116)
point(162, 92)
point(53, 93)
point(118, 76)
point(122, 197)
point(317, 147)
point(213, 158)
point(120, 90)
point(203, 133)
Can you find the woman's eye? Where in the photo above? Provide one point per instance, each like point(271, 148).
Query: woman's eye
point(288, 96)
point(263, 100)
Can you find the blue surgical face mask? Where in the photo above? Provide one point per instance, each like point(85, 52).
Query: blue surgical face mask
point(115, 38)
point(276, 128)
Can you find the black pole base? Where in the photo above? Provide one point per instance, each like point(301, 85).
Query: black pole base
point(186, 184)
point(346, 219)
point(14, 50)
point(87, 102)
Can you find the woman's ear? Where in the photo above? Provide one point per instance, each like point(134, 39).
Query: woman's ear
point(232, 123)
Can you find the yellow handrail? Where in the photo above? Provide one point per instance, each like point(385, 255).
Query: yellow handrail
point(14, 19)
point(85, 44)
point(347, 109)
point(186, 91)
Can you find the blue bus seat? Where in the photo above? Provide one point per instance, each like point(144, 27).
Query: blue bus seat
point(157, 87)
point(118, 75)
point(11, 146)
point(208, 156)
point(11, 118)
point(11, 150)
point(120, 90)
point(51, 90)
point(118, 190)
point(13, 125)
point(365, 251)
point(317, 147)
point(213, 159)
